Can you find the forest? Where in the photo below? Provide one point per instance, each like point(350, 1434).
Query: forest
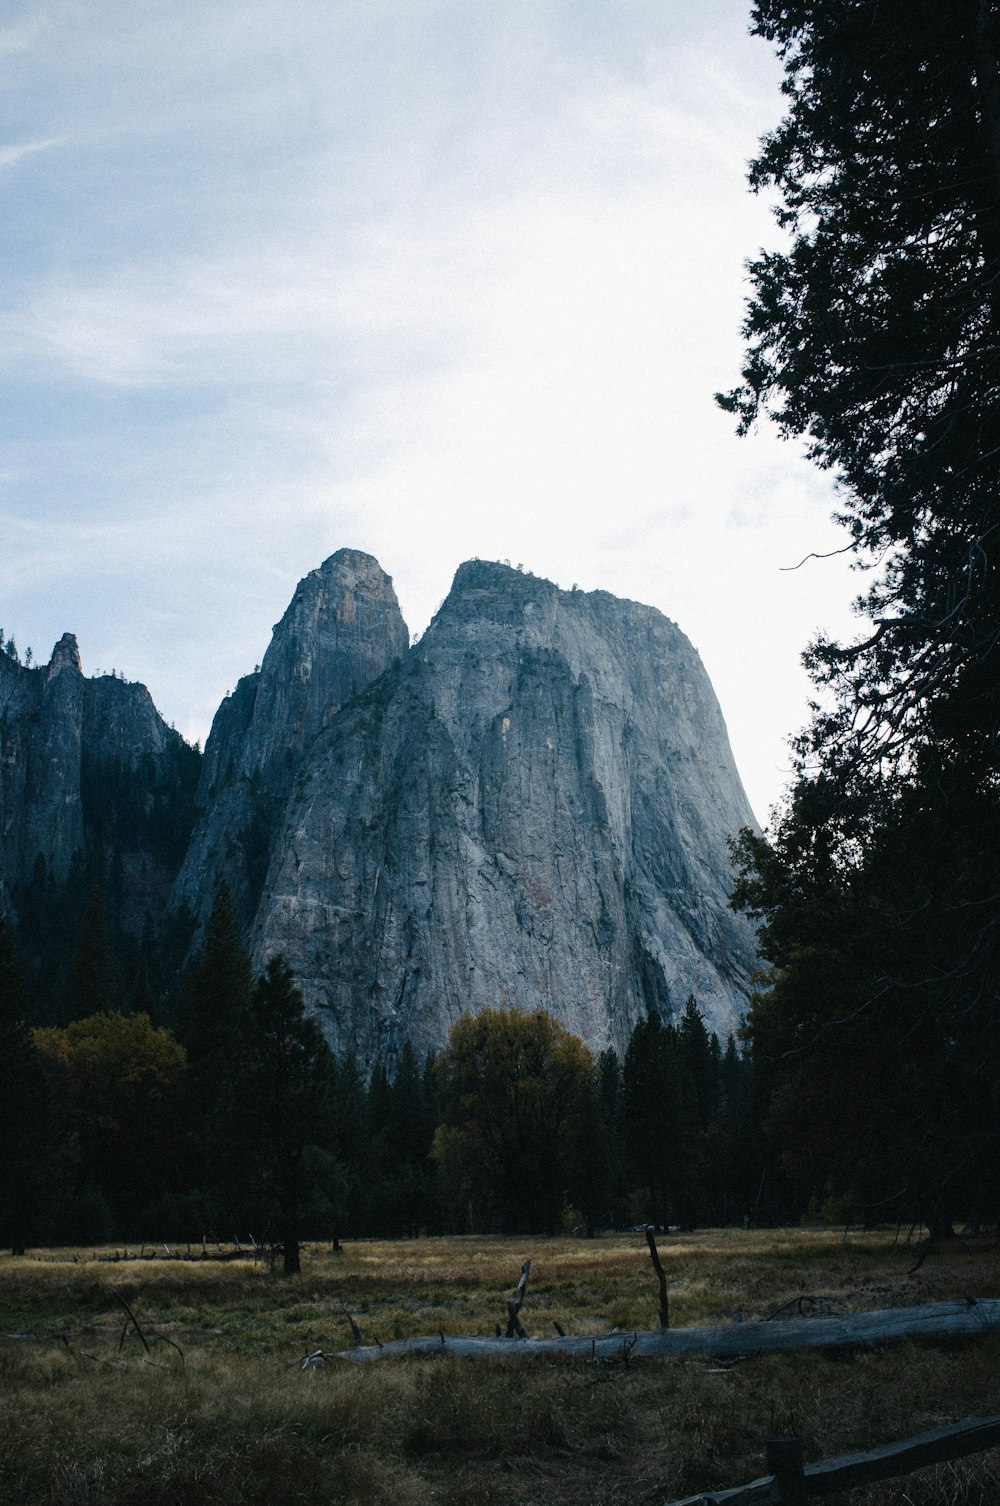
point(218, 1109)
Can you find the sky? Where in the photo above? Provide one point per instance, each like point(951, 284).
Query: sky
point(433, 279)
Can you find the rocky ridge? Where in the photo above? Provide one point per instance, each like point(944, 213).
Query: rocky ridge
point(68, 746)
point(529, 807)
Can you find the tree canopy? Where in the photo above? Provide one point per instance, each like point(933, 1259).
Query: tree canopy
point(875, 334)
point(514, 1088)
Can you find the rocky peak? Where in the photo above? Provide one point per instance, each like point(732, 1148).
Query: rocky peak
point(532, 812)
point(65, 655)
point(341, 631)
point(69, 746)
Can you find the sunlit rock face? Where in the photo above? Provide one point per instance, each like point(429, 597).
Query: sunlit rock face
point(341, 631)
point(529, 807)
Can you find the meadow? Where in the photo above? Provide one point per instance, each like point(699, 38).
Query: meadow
point(221, 1407)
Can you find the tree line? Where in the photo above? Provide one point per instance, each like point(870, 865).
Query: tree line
point(219, 1108)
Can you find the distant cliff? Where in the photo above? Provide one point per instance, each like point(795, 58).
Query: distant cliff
point(528, 807)
point(89, 772)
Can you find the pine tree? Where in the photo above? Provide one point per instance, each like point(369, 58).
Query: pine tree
point(289, 1080)
point(26, 1146)
point(648, 1112)
point(95, 970)
point(211, 1023)
point(876, 335)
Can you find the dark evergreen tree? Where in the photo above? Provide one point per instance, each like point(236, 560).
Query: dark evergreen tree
point(380, 1166)
point(699, 1058)
point(349, 1130)
point(875, 335)
point(409, 1139)
point(289, 1081)
point(648, 1108)
point(612, 1102)
point(96, 976)
point(591, 1173)
point(26, 1143)
point(210, 1016)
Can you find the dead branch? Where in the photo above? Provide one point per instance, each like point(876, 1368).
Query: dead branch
point(514, 1305)
point(161, 1338)
point(661, 1277)
point(135, 1324)
point(796, 1302)
point(355, 1330)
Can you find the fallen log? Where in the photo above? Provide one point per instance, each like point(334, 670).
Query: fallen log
point(936, 1320)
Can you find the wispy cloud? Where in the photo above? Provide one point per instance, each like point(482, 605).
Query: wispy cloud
point(433, 280)
point(16, 152)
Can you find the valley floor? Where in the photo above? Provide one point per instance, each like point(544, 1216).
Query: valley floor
point(225, 1410)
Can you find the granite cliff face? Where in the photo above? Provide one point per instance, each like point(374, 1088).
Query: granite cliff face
point(340, 632)
point(85, 765)
point(529, 807)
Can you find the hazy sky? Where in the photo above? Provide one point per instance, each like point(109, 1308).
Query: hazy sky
point(428, 278)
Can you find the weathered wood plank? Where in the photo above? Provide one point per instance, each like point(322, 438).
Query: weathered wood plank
point(763, 1492)
point(828, 1476)
point(935, 1447)
point(935, 1320)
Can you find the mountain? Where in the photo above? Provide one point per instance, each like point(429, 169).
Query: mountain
point(528, 807)
point(90, 777)
point(342, 629)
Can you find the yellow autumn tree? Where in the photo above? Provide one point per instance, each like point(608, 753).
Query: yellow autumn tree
point(113, 1078)
point(515, 1093)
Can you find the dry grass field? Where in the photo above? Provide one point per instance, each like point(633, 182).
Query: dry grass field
point(229, 1415)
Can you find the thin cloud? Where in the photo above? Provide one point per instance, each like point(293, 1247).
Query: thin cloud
point(9, 155)
point(433, 280)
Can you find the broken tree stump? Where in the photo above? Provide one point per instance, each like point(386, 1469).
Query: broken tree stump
point(514, 1328)
point(661, 1277)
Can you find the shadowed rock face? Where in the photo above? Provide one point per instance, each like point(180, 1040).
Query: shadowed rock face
point(62, 735)
point(529, 807)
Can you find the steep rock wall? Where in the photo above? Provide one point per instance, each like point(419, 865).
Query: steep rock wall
point(530, 809)
point(342, 629)
point(73, 752)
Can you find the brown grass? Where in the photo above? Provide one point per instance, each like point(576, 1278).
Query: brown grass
point(235, 1418)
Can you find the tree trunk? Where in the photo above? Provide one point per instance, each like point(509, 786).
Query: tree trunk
point(936, 1320)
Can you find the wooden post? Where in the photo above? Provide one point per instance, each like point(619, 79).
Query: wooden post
point(784, 1460)
point(661, 1277)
